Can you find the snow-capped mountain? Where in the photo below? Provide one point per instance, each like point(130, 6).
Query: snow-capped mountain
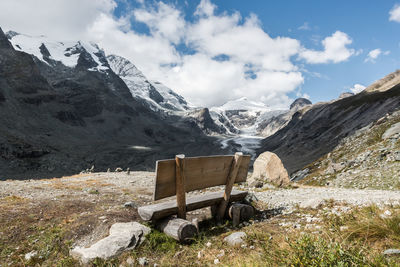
point(92, 58)
point(242, 115)
point(66, 53)
point(159, 96)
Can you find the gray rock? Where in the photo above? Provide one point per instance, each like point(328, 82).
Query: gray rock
point(235, 239)
point(394, 130)
point(123, 236)
point(269, 168)
point(143, 261)
point(391, 251)
point(30, 255)
point(130, 204)
point(118, 169)
point(250, 198)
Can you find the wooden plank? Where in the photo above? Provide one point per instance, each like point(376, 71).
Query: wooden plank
point(200, 173)
point(229, 184)
point(164, 209)
point(180, 185)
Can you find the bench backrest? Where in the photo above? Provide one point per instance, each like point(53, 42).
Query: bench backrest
point(199, 172)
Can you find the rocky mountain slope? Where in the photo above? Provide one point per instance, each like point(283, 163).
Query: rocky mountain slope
point(316, 130)
point(273, 124)
point(370, 158)
point(64, 109)
point(155, 93)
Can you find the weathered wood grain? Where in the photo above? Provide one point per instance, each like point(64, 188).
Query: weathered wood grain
point(229, 184)
point(180, 185)
point(177, 228)
point(199, 172)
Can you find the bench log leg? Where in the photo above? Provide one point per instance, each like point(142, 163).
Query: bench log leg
point(177, 228)
point(240, 212)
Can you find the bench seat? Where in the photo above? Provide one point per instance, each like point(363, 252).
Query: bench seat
point(161, 210)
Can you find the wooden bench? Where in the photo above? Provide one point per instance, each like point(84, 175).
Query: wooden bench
point(181, 175)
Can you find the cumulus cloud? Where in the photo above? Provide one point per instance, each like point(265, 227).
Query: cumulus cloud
point(374, 54)
point(335, 50)
point(394, 13)
point(60, 19)
point(225, 56)
point(357, 88)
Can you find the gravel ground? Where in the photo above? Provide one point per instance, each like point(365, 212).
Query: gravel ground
point(141, 184)
point(79, 185)
point(314, 196)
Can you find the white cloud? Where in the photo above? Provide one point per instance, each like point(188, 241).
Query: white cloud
point(374, 54)
point(305, 27)
point(60, 19)
point(164, 20)
point(228, 56)
point(335, 50)
point(394, 13)
point(357, 88)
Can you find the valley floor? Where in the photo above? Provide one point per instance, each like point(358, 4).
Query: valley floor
point(47, 217)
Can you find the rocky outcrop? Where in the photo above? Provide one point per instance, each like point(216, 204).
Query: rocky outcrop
point(268, 168)
point(122, 237)
point(203, 119)
point(300, 103)
point(271, 125)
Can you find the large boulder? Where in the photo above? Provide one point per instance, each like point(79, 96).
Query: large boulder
point(268, 168)
point(123, 236)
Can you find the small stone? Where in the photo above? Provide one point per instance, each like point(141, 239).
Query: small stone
point(235, 239)
point(128, 171)
point(30, 255)
point(130, 204)
point(343, 228)
point(208, 244)
point(221, 253)
point(391, 251)
point(251, 247)
point(216, 261)
point(130, 261)
point(200, 254)
point(143, 261)
point(388, 213)
point(118, 169)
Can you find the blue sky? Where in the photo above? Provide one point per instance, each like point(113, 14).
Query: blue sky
point(212, 51)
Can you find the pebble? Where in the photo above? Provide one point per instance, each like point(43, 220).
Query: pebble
point(143, 261)
point(130, 204)
point(216, 261)
point(391, 251)
point(30, 255)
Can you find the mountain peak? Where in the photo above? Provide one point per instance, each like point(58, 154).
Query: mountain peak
point(244, 103)
point(4, 43)
point(299, 103)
